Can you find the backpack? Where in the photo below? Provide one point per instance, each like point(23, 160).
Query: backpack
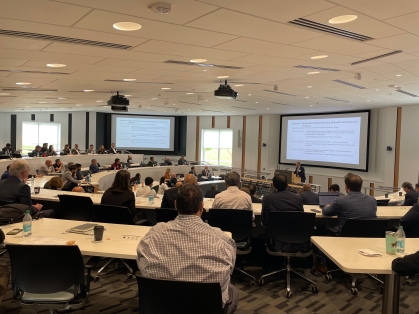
point(12, 213)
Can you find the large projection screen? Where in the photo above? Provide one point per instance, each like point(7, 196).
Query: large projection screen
point(143, 132)
point(333, 140)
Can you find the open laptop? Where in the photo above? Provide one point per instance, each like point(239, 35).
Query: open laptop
point(82, 228)
point(326, 198)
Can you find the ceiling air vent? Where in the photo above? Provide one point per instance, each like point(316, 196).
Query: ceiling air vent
point(278, 103)
point(315, 68)
point(378, 57)
point(69, 40)
point(31, 89)
point(34, 72)
point(242, 108)
point(202, 64)
point(335, 99)
point(190, 103)
point(329, 29)
point(271, 91)
point(138, 82)
point(406, 93)
point(349, 84)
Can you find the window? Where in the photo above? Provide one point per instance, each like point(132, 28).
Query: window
point(217, 147)
point(34, 133)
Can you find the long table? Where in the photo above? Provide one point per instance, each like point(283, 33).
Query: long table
point(344, 253)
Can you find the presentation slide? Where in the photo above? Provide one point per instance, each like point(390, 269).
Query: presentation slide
point(143, 132)
point(328, 140)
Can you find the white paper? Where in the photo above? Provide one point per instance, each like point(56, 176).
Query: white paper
point(368, 252)
point(45, 241)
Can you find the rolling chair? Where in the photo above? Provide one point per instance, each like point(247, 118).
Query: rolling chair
point(76, 207)
point(114, 215)
point(165, 214)
point(383, 202)
point(290, 228)
point(240, 224)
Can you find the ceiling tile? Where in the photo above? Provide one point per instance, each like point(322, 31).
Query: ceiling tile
point(22, 43)
point(408, 22)
point(405, 42)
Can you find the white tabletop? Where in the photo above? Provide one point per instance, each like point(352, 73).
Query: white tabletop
point(344, 253)
point(383, 212)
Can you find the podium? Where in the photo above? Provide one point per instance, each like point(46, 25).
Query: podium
point(291, 177)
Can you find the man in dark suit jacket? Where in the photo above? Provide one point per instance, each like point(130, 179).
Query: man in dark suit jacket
point(308, 196)
point(193, 171)
point(16, 190)
point(411, 196)
point(7, 150)
point(182, 161)
point(206, 172)
point(300, 171)
point(113, 150)
point(252, 190)
point(410, 222)
point(212, 192)
point(169, 195)
point(37, 151)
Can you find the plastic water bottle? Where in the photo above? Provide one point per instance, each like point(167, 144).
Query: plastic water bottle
point(151, 198)
point(33, 185)
point(401, 237)
point(88, 178)
point(27, 224)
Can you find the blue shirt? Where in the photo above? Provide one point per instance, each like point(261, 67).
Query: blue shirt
point(94, 168)
point(5, 175)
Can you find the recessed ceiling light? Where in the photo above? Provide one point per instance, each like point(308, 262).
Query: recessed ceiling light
point(89, 90)
point(198, 60)
point(154, 98)
point(313, 72)
point(127, 95)
point(377, 89)
point(311, 105)
point(189, 93)
point(307, 97)
point(42, 102)
point(56, 65)
point(99, 100)
point(62, 98)
point(398, 75)
point(233, 111)
point(204, 70)
point(267, 108)
point(4, 94)
point(368, 100)
point(189, 109)
point(130, 80)
point(249, 94)
point(127, 26)
point(319, 57)
point(343, 19)
point(165, 88)
point(239, 85)
point(309, 86)
point(221, 77)
point(23, 83)
point(78, 105)
point(257, 102)
point(165, 111)
point(218, 106)
point(174, 104)
point(206, 99)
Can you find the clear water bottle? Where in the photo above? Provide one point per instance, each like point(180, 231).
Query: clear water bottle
point(33, 185)
point(401, 238)
point(27, 224)
point(151, 198)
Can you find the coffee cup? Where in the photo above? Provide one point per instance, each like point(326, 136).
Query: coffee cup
point(98, 233)
point(37, 189)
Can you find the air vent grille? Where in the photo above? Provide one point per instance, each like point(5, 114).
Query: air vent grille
point(286, 94)
point(378, 57)
point(349, 84)
point(329, 29)
point(242, 108)
point(335, 99)
point(316, 68)
point(406, 93)
point(138, 82)
point(281, 104)
point(29, 89)
point(34, 72)
point(190, 103)
point(203, 64)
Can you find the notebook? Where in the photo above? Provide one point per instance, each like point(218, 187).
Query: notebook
point(326, 198)
point(82, 228)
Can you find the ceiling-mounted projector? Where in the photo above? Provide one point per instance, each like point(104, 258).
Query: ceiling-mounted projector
point(225, 92)
point(119, 108)
point(118, 102)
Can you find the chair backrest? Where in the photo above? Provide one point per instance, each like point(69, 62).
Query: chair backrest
point(184, 297)
point(46, 268)
point(236, 221)
point(156, 188)
point(2, 203)
point(112, 214)
point(364, 228)
point(165, 214)
point(383, 202)
point(76, 207)
point(291, 227)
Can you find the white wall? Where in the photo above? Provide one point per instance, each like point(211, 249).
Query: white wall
point(409, 145)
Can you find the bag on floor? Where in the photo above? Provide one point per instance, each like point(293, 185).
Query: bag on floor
point(12, 213)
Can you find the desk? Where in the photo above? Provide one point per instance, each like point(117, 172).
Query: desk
point(394, 198)
point(344, 253)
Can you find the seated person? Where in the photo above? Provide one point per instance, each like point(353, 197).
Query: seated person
point(5, 174)
point(213, 192)
point(136, 179)
point(182, 161)
point(151, 162)
point(37, 151)
point(130, 160)
point(169, 195)
point(355, 205)
point(173, 180)
point(116, 165)
point(198, 247)
point(76, 150)
point(16, 190)
point(252, 189)
point(334, 188)
point(206, 172)
point(94, 168)
point(193, 171)
point(410, 222)
point(51, 151)
point(147, 189)
point(417, 187)
point(167, 175)
point(167, 161)
point(58, 166)
point(79, 175)
point(162, 186)
point(46, 168)
point(7, 150)
point(78, 189)
point(44, 148)
point(407, 265)
point(113, 150)
point(411, 196)
point(91, 149)
point(120, 193)
point(69, 178)
point(102, 150)
point(55, 183)
point(66, 150)
point(308, 196)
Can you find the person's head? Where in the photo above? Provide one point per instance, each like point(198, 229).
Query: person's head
point(178, 184)
point(129, 157)
point(117, 160)
point(66, 146)
point(182, 157)
point(94, 161)
point(246, 190)
point(48, 162)
point(214, 187)
point(417, 187)
point(168, 158)
point(334, 188)
point(56, 183)
point(20, 169)
point(151, 158)
point(189, 179)
point(280, 182)
point(252, 189)
point(138, 176)
point(78, 167)
point(45, 145)
point(353, 182)
point(121, 182)
point(113, 145)
point(91, 146)
point(102, 147)
point(76, 146)
point(73, 169)
point(162, 179)
point(173, 175)
point(58, 161)
point(8, 146)
point(231, 179)
point(189, 200)
point(37, 148)
point(148, 181)
point(206, 167)
point(407, 186)
point(69, 164)
point(8, 167)
point(168, 170)
point(306, 187)
point(192, 168)
point(51, 148)
point(297, 164)
point(78, 189)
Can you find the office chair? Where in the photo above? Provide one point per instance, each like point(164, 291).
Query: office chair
point(290, 228)
point(184, 297)
point(240, 224)
point(2, 203)
point(165, 214)
point(156, 188)
point(362, 228)
point(76, 207)
point(114, 215)
point(55, 280)
point(383, 202)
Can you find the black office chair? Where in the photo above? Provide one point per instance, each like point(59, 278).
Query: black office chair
point(30, 154)
point(239, 223)
point(290, 228)
point(162, 164)
point(156, 188)
point(185, 297)
point(114, 215)
point(200, 178)
point(383, 202)
point(165, 214)
point(56, 277)
point(362, 228)
point(75, 207)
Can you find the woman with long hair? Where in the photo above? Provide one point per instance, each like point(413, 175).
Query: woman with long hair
point(51, 151)
point(101, 150)
point(120, 193)
point(162, 186)
point(167, 174)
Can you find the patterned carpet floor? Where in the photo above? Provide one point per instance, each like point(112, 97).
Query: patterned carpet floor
point(114, 293)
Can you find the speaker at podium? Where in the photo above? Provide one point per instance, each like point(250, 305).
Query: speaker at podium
point(290, 175)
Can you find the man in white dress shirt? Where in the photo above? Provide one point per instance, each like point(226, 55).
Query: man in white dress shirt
point(147, 189)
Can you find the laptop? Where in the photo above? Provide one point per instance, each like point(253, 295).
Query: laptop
point(326, 198)
point(82, 228)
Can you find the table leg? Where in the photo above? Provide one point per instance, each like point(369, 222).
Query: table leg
point(391, 295)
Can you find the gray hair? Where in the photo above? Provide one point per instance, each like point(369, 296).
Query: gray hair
point(232, 178)
point(18, 167)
